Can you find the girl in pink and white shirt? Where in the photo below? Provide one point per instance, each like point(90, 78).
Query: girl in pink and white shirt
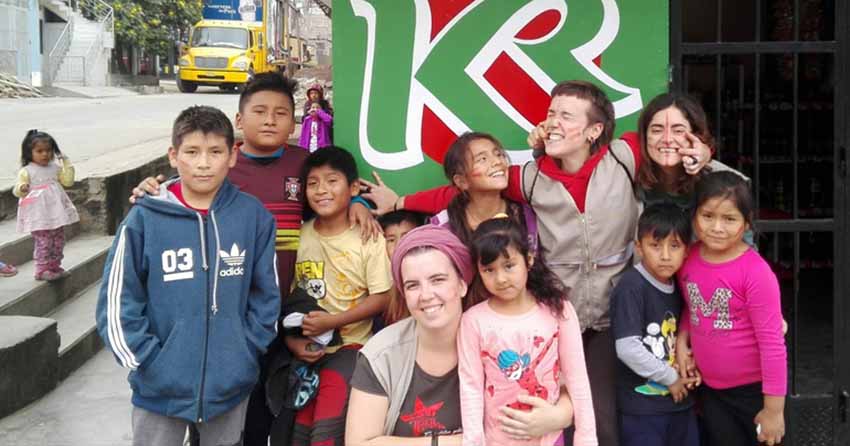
point(517, 343)
point(733, 320)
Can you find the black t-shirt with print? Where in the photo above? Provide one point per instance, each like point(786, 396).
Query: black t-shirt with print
point(432, 403)
point(640, 309)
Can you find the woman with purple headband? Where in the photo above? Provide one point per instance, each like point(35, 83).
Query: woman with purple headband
point(405, 387)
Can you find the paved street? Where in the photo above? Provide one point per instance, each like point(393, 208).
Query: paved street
point(129, 129)
point(91, 407)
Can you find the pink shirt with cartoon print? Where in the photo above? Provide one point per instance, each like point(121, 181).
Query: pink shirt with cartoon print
point(501, 356)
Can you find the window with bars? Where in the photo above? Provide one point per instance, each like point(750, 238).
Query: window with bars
point(767, 73)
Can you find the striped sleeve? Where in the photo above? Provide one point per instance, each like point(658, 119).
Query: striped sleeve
point(121, 320)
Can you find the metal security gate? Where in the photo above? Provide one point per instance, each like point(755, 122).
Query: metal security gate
point(771, 75)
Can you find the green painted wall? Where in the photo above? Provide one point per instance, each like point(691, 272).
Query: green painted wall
point(632, 37)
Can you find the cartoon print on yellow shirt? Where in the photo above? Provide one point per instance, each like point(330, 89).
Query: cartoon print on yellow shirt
point(310, 276)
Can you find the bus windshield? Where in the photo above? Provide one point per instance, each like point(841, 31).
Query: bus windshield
point(220, 37)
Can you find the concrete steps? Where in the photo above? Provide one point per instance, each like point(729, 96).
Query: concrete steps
point(50, 326)
point(17, 248)
point(78, 338)
point(73, 69)
point(28, 364)
point(24, 296)
point(60, 8)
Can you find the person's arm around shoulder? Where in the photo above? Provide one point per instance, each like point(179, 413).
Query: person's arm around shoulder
point(22, 183)
point(148, 186)
point(361, 215)
point(121, 306)
point(263, 295)
point(633, 141)
point(574, 371)
point(429, 201)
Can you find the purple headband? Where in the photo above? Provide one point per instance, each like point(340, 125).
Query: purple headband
point(439, 238)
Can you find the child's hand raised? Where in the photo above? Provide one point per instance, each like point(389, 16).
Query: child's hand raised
point(379, 193)
point(149, 185)
point(695, 155)
point(537, 136)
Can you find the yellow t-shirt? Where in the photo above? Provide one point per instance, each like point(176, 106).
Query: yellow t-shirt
point(340, 271)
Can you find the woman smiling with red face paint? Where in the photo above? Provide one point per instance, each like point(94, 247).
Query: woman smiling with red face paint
point(667, 127)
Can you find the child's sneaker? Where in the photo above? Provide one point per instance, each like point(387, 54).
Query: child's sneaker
point(7, 270)
point(59, 270)
point(50, 275)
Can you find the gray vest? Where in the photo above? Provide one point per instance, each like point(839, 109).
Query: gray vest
point(392, 355)
point(587, 251)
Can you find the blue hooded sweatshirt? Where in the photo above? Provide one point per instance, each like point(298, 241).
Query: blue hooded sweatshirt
point(189, 302)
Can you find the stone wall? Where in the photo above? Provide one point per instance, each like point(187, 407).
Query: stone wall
point(101, 201)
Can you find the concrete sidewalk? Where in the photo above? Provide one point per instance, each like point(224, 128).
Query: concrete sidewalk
point(92, 407)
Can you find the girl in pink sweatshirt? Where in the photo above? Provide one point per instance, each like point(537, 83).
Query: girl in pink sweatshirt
point(518, 342)
point(732, 319)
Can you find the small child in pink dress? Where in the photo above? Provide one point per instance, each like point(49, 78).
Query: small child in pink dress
point(520, 342)
point(44, 208)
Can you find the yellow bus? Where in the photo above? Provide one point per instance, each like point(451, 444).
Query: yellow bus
point(228, 53)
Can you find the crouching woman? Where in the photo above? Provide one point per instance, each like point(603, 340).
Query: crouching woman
point(405, 388)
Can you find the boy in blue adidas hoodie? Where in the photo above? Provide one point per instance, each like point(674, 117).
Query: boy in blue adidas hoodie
point(189, 297)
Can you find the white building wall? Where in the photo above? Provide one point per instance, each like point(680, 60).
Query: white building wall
point(15, 40)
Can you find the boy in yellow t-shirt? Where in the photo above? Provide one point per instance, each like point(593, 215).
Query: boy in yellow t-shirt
point(348, 278)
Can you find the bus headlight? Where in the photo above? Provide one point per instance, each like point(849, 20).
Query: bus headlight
point(240, 64)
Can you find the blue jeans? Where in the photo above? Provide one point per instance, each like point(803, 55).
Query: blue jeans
point(674, 429)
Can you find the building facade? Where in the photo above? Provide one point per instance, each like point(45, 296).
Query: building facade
point(772, 75)
point(46, 42)
point(20, 43)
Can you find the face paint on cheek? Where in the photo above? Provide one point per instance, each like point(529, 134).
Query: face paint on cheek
point(572, 132)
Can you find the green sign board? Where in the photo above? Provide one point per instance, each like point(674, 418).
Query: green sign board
point(411, 75)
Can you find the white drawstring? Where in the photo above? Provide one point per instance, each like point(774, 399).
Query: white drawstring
point(217, 261)
point(203, 241)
